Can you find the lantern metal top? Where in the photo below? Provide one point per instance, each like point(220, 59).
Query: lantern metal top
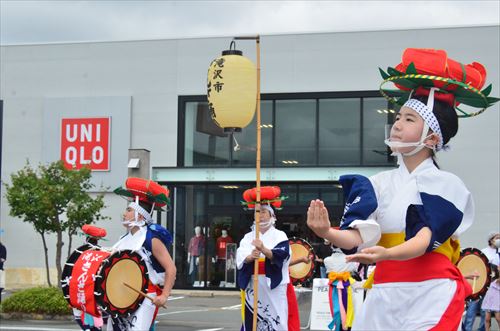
point(232, 50)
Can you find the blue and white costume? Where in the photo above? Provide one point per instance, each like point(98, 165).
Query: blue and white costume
point(141, 242)
point(390, 208)
point(273, 280)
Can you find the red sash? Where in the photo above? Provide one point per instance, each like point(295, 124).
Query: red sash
point(262, 267)
point(428, 266)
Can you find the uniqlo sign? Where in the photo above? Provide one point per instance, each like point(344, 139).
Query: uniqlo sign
point(85, 142)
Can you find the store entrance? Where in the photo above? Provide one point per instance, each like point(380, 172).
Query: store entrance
point(208, 222)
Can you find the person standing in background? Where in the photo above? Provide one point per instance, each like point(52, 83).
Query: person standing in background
point(220, 256)
point(324, 251)
point(492, 250)
point(491, 303)
point(272, 250)
point(474, 306)
point(195, 250)
point(3, 258)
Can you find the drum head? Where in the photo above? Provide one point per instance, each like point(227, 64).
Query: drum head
point(301, 272)
point(115, 298)
point(125, 271)
point(474, 261)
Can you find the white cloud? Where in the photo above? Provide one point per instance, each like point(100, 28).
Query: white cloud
point(61, 21)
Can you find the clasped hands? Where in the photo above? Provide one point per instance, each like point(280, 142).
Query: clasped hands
point(256, 252)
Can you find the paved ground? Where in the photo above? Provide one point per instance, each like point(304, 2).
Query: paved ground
point(187, 310)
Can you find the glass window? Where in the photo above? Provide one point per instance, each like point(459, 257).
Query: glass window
point(339, 131)
point(332, 194)
point(376, 115)
point(222, 196)
point(295, 133)
point(308, 193)
point(320, 131)
point(245, 152)
point(205, 143)
point(290, 192)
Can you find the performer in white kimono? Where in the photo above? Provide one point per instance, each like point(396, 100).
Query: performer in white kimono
point(149, 240)
point(273, 251)
point(414, 215)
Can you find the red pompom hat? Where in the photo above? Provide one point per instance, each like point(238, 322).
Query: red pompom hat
point(269, 195)
point(422, 69)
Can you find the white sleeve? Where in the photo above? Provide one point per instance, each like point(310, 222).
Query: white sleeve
point(244, 250)
point(369, 231)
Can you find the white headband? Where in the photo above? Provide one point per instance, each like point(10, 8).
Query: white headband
point(142, 211)
point(425, 111)
point(270, 209)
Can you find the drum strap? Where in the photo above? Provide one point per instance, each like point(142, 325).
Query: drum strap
point(152, 288)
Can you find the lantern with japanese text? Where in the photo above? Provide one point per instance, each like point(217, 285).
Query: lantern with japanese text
point(232, 90)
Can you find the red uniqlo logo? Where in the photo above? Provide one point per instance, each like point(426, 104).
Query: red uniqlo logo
point(85, 142)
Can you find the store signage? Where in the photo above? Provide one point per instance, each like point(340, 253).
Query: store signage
point(86, 142)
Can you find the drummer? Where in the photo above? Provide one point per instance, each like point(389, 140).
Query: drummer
point(150, 241)
point(272, 249)
point(86, 321)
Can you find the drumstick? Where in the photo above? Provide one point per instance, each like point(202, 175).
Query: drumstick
point(474, 285)
point(141, 293)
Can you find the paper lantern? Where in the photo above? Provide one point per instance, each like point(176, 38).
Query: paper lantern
point(232, 90)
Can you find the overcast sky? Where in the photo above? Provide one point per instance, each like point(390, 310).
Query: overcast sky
point(41, 21)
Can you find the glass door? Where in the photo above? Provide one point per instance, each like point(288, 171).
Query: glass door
point(209, 219)
point(208, 222)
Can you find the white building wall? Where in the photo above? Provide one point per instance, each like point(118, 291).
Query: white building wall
point(155, 73)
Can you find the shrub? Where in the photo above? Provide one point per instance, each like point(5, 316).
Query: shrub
point(38, 300)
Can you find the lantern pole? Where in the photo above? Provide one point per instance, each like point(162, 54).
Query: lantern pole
point(257, 168)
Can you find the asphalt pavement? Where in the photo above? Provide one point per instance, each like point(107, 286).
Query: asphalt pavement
point(186, 310)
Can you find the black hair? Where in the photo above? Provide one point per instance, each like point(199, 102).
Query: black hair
point(146, 205)
point(92, 240)
point(446, 116)
point(491, 241)
point(447, 119)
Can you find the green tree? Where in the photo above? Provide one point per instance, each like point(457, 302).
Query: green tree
point(54, 200)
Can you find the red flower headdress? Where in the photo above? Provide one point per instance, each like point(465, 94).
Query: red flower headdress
point(94, 231)
point(422, 69)
point(145, 190)
point(269, 195)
